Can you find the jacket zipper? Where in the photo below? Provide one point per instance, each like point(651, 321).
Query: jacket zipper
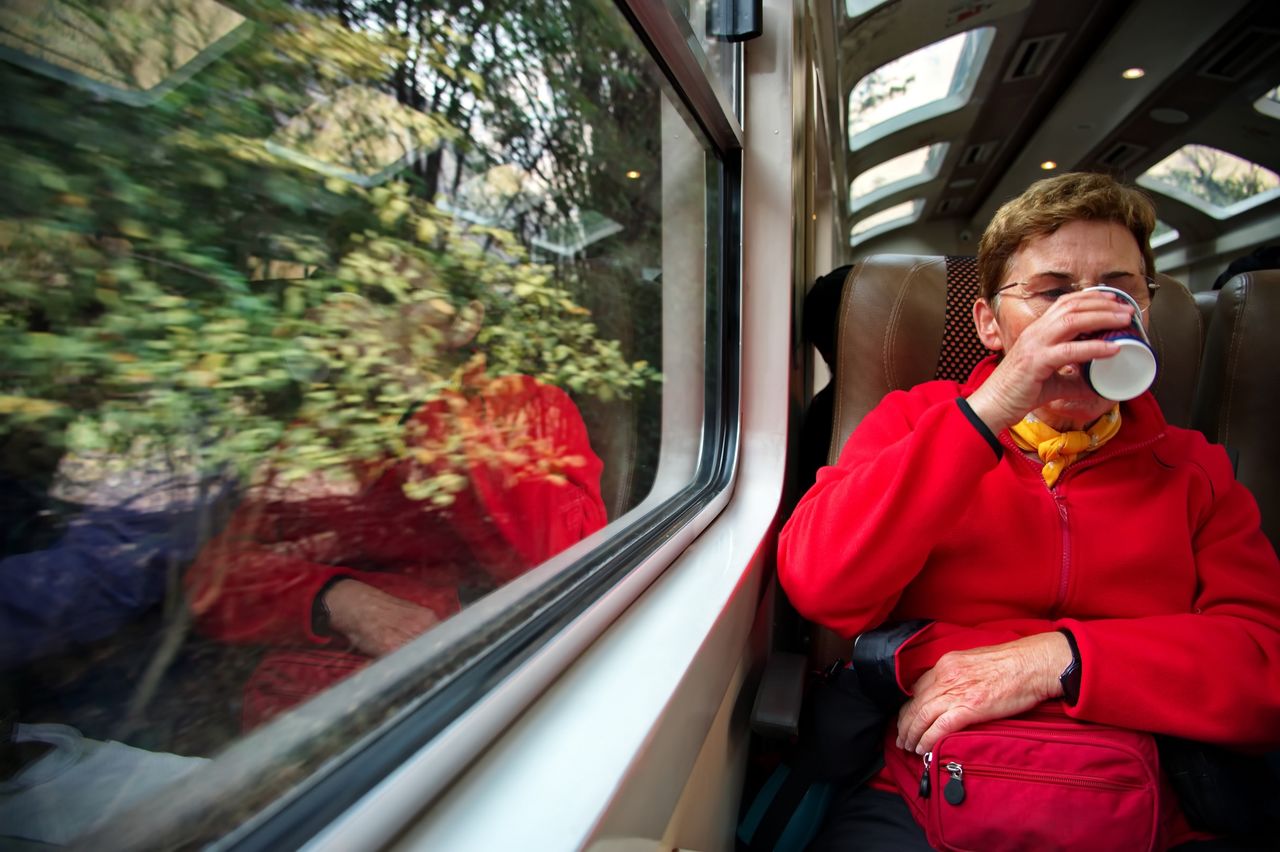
point(1064, 570)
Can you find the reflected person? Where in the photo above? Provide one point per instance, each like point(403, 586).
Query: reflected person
point(327, 581)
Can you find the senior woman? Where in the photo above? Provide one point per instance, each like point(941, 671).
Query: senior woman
point(1045, 546)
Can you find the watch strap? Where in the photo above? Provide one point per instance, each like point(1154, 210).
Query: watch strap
point(1071, 675)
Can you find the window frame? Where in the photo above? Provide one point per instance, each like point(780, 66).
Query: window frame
point(529, 627)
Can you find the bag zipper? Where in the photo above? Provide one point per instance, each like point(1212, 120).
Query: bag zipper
point(953, 791)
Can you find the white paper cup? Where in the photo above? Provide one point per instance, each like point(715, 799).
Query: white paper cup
point(1129, 372)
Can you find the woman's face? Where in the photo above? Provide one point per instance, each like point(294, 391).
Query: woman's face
point(1081, 253)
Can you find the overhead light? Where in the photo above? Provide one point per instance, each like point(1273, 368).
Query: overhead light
point(1048, 165)
point(633, 174)
point(1133, 73)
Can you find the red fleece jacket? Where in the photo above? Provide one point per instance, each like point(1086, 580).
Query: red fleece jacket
point(1148, 550)
point(538, 493)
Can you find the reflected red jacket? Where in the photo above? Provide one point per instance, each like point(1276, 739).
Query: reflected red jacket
point(1148, 550)
point(256, 582)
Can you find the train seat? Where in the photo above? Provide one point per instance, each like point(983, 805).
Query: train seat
point(1236, 403)
point(1205, 300)
point(907, 319)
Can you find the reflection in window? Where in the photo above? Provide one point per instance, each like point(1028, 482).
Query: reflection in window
point(1163, 234)
point(724, 58)
point(903, 171)
point(300, 363)
point(927, 82)
point(1269, 104)
point(885, 220)
point(1219, 183)
point(133, 51)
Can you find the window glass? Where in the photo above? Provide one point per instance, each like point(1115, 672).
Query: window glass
point(1163, 234)
point(323, 324)
point(885, 220)
point(724, 57)
point(1219, 183)
point(924, 83)
point(906, 170)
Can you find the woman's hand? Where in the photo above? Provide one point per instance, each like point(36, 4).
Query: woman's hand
point(1042, 362)
point(375, 622)
point(996, 682)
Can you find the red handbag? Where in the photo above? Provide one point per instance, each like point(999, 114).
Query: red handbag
point(1039, 781)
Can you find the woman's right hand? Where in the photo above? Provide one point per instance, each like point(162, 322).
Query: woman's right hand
point(1041, 363)
point(375, 622)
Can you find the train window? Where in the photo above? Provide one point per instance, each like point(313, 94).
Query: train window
point(724, 58)
point(886, 220)
point(901, 172)
point(1163, 234)
point(350, 350)
point(923, 84)
point(1213, 181)
point(1269, 104)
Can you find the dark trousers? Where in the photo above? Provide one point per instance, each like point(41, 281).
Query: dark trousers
point(865, 820)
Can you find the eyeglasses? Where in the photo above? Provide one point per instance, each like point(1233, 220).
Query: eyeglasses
point(1040, 295)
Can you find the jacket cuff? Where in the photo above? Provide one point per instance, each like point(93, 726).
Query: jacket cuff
point(875, 660)
point(982, 427)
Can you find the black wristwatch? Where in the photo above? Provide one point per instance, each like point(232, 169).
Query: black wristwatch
point(1070, 677)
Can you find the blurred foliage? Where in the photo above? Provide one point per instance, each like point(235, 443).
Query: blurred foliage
point(140, 310)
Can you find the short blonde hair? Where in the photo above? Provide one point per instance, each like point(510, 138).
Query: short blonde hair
point(1049, 204)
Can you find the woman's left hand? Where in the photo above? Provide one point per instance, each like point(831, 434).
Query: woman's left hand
point(966, 687)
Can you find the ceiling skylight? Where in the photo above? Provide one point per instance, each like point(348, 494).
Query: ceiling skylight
point(1163, 234)
point(885, 220)
point(1220, 184)
point(854, 8)
point(1269, 104)
point(925, 83)
point(909, 169)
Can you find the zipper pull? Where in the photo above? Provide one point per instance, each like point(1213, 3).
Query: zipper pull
point(953, 792)
point(924, 776)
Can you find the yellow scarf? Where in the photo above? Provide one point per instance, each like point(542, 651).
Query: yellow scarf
point(1059, 449)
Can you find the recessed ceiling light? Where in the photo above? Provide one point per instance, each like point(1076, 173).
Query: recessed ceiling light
point(633, 174)
point(1048, 164)
point(1133, 73)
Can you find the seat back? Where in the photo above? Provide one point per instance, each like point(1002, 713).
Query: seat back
point(907, 319)
point(1236, 402)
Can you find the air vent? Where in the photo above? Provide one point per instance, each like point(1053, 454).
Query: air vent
point(950, 205)
point(977, 154)
point(1231, 62)
point(1120, 155)
point(1032, 56)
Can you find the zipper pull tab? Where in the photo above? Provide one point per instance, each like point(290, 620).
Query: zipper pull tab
point(924, 776)
point(953, 792)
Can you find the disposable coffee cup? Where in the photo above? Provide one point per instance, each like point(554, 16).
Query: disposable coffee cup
point(1129, 372)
